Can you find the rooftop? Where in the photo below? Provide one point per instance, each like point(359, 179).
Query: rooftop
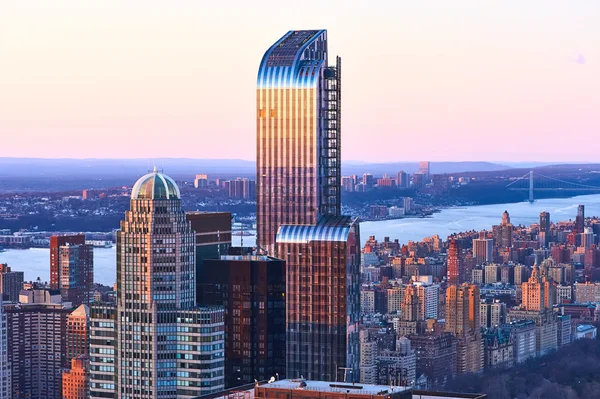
point(340, 387)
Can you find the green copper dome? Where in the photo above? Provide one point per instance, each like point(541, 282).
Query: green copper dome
point(155, 186)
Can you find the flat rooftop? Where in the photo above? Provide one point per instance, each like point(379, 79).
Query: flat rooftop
point(340, 387)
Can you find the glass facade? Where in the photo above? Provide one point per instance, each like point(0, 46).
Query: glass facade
point(166, 347)
point(298, 204)
point(298, 121)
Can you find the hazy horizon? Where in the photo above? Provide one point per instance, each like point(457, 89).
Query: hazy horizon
point(441, 81)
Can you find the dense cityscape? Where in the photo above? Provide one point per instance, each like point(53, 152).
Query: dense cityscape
point(310, 309)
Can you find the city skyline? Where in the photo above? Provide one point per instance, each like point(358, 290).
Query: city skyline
point(81, 74)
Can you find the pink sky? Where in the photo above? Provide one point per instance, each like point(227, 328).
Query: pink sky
point(507, 80)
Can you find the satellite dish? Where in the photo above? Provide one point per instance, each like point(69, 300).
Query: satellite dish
point(272, 380)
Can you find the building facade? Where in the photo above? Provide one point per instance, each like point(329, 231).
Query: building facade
point(76, 381)
point(11, 283)
point(252, 291)
point(298, 204)
point(160, 331)
point(37, 344)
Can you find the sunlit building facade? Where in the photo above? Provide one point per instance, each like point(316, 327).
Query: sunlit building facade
point(298, 134)
point(298, 204)
point(166, 346)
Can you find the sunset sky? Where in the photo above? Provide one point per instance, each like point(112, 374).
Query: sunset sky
point(447, 80)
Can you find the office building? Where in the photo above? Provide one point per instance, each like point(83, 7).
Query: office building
point(160, 330)
point(463, 320)
point(298, 204)
point(103, 343)
point(483, 249)
point(11, 283)
point(213, 237)
point(252, 290)
point(72, 268)
point(201, 181)
point(455, 268)
point(76, 381)
point(36, 344)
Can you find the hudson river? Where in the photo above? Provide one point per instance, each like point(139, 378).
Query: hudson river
point(35, 262)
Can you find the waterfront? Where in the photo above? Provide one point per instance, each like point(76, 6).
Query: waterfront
point(35, 262)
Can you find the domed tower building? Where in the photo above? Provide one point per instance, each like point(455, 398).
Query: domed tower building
point(160, 331)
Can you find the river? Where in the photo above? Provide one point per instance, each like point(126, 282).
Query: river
point(35, 262)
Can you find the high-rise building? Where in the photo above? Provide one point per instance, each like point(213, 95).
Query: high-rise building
point(455, 269)
point(368, 180)
point(103, 335)
point(298, 204)
point(252, 290)
point(539, 293)
point(492, 314)
point(201, 181)
point(348, 183)
point(242, 188)
point(463, 320)
point(483, 249)
point(213, 237)
point(424, 169)
point(78, 333)
point(580, 219)
point(436, 356)
point(55, 243)
point(11, 283)
point(492, 273)
point(76, 273)
point(545, 222)
point(402, 180)
point(76, 380)
point(298, 103)
point(323, 297)
point(587, 237)
point(160, 331)
point(5, 369)
point(37, 344)
point(504, 232)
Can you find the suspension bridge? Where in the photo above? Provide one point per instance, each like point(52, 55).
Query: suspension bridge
point(540, 182)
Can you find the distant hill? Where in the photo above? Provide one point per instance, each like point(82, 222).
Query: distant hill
point(392, 168)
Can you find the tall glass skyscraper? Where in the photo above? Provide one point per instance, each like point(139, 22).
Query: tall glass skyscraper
point(299, 211)
point(166, 346)
point(298, 134)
